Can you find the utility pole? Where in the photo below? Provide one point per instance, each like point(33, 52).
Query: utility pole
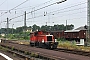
point(88, 21)
point(25, 19)
point(66, 24)
point(6, 31)
point(46, 23)
point(25, 24)
point(12, 29)
point(7, 23)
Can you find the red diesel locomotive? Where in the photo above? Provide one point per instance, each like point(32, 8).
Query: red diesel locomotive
point(43, 39)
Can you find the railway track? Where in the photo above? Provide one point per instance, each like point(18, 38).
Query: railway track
point(24, 55)
point(44, 53)
point(78, 52)
point(28, 55)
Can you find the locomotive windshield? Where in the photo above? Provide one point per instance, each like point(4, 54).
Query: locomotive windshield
point(49, 38)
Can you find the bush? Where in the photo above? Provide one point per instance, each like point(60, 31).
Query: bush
point(61, 39)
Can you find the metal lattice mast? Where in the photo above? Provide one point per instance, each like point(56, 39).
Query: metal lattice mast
point(88, 20)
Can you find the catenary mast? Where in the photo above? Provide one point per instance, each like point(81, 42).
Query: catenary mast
point(88, 21)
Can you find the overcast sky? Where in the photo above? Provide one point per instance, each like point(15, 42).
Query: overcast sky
point(74, 11)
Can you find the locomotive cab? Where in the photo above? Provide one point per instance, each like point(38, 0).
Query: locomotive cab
point(43, 39)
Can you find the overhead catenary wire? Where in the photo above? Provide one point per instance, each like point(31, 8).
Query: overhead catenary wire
point(38, 9)
point(56, 22)
point(75, 13)
point(83, 17)
point(57, 10)
point(63, 16)
point(70, 10)
point(4, 10)
point(34, 6)
point(3, 2)
point(61, 11)
point(80, 3)
point(41, 5)
point(18, 6)
point(15, 7)
point(24, 7)
point(53, 11)
point(69, 7)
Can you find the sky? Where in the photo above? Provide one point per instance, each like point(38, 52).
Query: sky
point(74, 11)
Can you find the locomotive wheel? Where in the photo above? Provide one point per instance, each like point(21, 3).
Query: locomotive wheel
point(37, 44)
point(31, 44)
point(54, 46)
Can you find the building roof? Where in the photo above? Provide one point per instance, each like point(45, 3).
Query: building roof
point(77, 29)
point(81, 28)
point(72, 30)
point(55, 31)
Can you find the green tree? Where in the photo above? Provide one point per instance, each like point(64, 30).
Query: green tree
point(70, 27)
point(35, 27)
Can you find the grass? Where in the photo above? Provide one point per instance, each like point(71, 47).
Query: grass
point(72, 46)
point(14, 54)
point(3, 49)
point(34, 55)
